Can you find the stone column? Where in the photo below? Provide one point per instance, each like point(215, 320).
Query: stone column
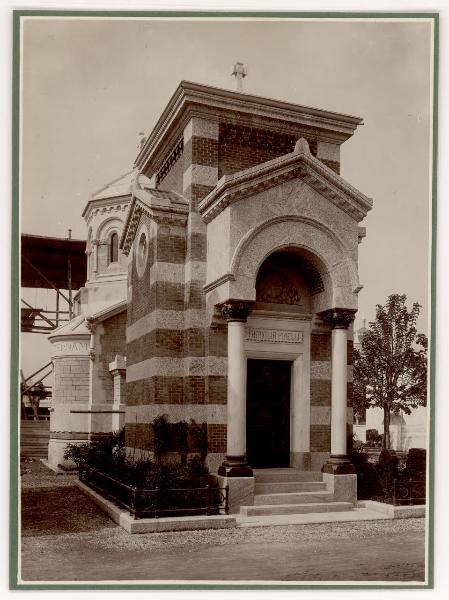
point(94, 256)
point(236, 312)
point(339, 320)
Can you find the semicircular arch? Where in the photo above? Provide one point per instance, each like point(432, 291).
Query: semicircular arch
point(319, 244)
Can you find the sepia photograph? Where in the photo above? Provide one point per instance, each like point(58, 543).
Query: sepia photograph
point(224, 269)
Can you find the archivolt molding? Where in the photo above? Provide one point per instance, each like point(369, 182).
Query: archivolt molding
point(335, 263)
point(109, 226)
point(256, 231)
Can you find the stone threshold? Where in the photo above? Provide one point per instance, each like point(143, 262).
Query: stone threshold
point(367, 510)
point(131, 525)
point(356, 514)
point(390, 511)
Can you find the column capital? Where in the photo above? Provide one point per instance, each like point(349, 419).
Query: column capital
point(236, 310)
point(338, 318)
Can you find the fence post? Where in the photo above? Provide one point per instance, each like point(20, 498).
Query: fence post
point(394, 492)
point(133, 502)
point(156, 503)
point(227, 499)
point(410, 492)
point(207, 500)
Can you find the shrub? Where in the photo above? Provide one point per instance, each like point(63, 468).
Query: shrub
point(180, 434)
point(368, 486)
point(177, 480)
point(387, 471)
point(180, 437)
point(199, 438)
point(161, 430)
point(416, 464)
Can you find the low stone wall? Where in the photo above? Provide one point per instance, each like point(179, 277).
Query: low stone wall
point(131, 525)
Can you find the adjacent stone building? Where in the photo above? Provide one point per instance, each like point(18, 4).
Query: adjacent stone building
point(88, 353)
point(241, 242)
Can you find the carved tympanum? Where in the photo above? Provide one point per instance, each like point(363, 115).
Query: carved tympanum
point(274, 287)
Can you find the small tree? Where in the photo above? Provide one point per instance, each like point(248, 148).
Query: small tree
point(390, 365)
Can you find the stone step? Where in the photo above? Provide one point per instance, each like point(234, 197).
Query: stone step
point(294, 509)
point(293, 498)
point(290, 486)
point(285, 475)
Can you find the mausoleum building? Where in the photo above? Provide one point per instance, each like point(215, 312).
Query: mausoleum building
point(243, 279)
point(241, 245)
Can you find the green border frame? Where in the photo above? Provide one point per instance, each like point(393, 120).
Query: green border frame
point(15, 331)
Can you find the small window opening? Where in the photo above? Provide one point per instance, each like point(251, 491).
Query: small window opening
point(113, 248)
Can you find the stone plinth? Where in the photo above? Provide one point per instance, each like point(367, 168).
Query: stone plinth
point(241, 491)
point(343, 487)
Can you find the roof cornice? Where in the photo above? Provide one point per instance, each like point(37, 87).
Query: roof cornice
point(193, 99)
point(299, 164)
point(106, 313)
point(110, 204)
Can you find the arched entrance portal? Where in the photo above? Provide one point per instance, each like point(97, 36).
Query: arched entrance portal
point(277, 346)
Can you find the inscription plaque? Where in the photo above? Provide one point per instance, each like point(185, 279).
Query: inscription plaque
point(280, 336)
point(71, 348)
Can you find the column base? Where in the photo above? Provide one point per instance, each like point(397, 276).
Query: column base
point(235, 466)
point(338, 464)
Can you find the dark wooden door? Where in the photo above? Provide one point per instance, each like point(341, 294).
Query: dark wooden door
point(268, 413)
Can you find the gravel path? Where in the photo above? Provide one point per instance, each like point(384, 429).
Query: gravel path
point(34, 474)
point(115, 538)
point(369, 551)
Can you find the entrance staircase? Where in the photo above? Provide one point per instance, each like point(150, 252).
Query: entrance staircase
point(34, 437)
point(291, 492)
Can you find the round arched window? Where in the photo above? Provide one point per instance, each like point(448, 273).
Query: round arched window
point(113, 248)
point(142, 253)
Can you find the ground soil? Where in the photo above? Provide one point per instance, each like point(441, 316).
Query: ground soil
point(65, 537)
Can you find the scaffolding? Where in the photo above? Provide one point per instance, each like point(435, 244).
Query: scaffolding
point(54, 264)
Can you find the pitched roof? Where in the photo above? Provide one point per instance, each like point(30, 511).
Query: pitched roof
point(121, 186)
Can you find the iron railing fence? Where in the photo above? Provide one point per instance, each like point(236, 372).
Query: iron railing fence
point(157, 502)
point(409, 491)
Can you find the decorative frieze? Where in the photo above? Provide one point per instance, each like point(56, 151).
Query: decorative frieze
point(170, 161)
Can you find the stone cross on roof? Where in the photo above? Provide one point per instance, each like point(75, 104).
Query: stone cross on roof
point(239, 73)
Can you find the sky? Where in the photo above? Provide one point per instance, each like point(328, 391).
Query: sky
point(90, 87)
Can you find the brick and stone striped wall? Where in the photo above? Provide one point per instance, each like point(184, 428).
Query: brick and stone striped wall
point(175, 364)
point(241, 147)
point(320, 396)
